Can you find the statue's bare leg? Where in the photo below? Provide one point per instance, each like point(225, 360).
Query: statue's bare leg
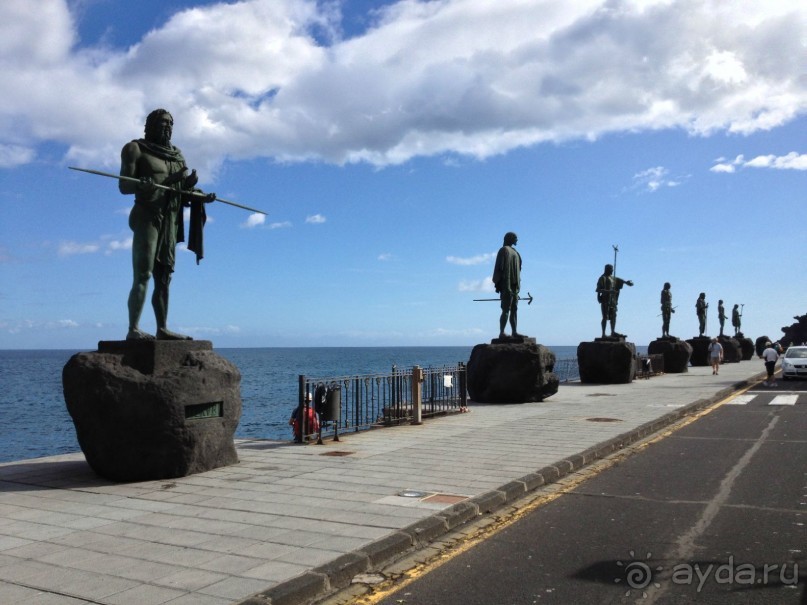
point(159, 300)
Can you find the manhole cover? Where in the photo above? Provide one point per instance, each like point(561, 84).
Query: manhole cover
point(603, 419)
point(601, 395)
point(337, 453)
point(412, 493)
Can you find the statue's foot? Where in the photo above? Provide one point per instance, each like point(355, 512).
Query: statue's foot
point(502, 335)
point(163, 334)
point(137, 334)
point(517, 335)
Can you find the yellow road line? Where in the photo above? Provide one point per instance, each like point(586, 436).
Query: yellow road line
point(464, 543)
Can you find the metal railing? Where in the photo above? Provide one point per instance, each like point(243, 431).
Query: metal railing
point(353, 403)
point(566, 369)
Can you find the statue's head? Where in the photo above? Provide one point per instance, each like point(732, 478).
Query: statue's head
point(159, 127)
point(609, 269)
point(735, 306)
point(667, 285)
point(720, 302)
point(702, 295)
point(510, 239)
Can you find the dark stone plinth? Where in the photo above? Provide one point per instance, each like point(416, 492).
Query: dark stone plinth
point(511, 372)
point(513, 340)
point(700, 350)
point(759, 345)
point(675, 351)
point(608, 360)
point(731, 349)
point(746, 347)
point(147, 410)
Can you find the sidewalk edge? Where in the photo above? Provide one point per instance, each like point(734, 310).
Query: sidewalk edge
point(338, 574)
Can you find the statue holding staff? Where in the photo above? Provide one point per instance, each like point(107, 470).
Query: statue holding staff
point(156, 219)
point(608, 287)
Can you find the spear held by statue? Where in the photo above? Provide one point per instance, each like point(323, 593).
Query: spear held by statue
point(197, 194)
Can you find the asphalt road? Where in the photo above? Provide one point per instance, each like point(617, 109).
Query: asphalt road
point(714, 513)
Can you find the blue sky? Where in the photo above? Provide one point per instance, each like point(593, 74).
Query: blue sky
point(392, 145)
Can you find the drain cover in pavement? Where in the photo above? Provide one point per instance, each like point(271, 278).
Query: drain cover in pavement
point(603, 419)
point(337, 453)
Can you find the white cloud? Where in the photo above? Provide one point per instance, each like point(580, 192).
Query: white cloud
point(386, 256)
point(479, 259)
point(653, 179)
point(113, 245)
point(315, 219)
point(479, 285)
point(463, 77)
point(29, 325)
point(254, 220)
point(72, 248)
point(791, 161)
point(210, 330)
point(280, 225)
point(15, 155)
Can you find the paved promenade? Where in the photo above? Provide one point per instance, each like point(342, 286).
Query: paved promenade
point(290, 522)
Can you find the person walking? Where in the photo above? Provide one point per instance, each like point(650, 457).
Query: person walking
point(715, 355)
point(770, 356)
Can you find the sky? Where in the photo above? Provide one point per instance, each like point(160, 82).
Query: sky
point(392, 145)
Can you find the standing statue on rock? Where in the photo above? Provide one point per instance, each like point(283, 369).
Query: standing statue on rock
point(735, 320)
point(700, 309)
point(507, 281)
point(608, 287)
point(156, 218)
point(666, 310)
point(721, 315)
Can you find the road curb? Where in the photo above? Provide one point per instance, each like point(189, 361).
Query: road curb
point(338, 574)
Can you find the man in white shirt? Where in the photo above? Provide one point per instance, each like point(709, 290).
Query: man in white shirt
point(770, 356)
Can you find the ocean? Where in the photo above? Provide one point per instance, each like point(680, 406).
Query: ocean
point(34, 421)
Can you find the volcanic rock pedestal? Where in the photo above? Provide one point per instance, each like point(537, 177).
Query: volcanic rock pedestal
point(153, 409)
point(746, 346)
point(676, 353)
point(511, 370)
point(732, 353)
point(700, 350)
point(608, 360)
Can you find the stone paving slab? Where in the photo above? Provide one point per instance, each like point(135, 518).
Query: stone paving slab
point(288, 523)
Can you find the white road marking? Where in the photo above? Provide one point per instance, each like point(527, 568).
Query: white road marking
point(741, 400)
point(784, 400)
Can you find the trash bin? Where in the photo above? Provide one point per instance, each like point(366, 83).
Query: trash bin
point(332, 408)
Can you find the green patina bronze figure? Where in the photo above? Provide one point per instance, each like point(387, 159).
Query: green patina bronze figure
point(700, 309)
point(156, 218)
point(608, 287)
point(507, 280)
point(721, 315)
point(666, 310)
point(735, 319)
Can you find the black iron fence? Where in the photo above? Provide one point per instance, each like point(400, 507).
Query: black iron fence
point(566, 369)
point(353, 403)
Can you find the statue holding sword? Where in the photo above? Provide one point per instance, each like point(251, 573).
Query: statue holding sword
point(507, 281)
